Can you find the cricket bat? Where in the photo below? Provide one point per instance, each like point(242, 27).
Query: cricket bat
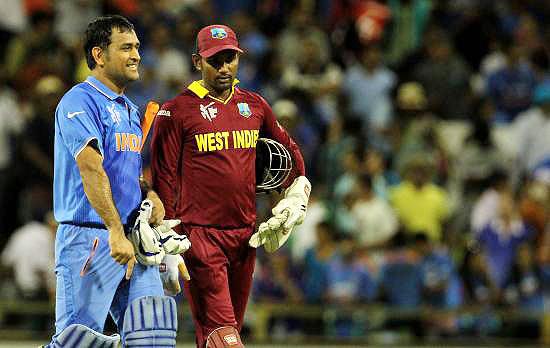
point(147, 121)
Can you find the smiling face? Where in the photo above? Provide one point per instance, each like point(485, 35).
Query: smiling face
point(218, 71)
point(120, 60)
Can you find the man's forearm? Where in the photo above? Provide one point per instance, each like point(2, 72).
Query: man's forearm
point(98, 189)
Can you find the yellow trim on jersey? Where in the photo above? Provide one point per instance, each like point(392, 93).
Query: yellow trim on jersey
point(201, 91)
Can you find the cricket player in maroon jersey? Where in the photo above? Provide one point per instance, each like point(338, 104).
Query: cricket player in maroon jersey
point(203, 168)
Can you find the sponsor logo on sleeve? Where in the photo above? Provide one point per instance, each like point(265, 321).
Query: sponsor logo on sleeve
point(164, 113)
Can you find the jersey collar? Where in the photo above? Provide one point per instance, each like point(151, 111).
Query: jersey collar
point(201, 91)
point(106, 91)
point(101, 88)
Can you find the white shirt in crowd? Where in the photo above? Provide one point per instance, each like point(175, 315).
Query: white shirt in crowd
point(30, 252)
point(376, 221)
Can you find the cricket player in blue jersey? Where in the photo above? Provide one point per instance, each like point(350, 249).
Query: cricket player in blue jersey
point(97, 188)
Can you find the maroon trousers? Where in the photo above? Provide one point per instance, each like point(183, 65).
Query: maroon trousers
point(220, 264)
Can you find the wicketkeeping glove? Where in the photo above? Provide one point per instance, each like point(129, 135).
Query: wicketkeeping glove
point(171, 268)
point(289, 212)
point(147, 245)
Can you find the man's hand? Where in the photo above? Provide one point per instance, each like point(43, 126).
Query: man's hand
point(288, 213)
point(158, 209)
point(122, 250)
point(171, 268)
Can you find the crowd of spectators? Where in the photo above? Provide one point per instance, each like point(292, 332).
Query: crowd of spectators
point(424, 125)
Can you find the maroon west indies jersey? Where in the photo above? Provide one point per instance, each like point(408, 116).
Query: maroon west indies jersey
point(204, 152)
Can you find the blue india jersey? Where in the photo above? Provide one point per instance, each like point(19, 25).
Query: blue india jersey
point(91, 113)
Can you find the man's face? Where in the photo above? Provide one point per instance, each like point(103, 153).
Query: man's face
point(122, 57)
point(219, 71)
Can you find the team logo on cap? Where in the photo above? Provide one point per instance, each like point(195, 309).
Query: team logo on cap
point(244, 110)
point(218, 33)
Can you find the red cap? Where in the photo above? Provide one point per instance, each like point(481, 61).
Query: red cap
point(215, 38)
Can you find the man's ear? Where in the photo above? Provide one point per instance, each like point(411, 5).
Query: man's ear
point(99, 55)
point(197, 62)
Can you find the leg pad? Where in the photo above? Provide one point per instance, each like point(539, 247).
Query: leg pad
point(151, 321)
point(80, 336)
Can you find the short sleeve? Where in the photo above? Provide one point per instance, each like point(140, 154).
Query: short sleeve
point(79, 122)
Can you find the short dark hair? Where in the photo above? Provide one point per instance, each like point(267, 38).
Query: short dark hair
point(98, 34)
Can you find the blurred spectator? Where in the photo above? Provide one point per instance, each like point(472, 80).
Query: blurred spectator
point(474, 168)
point(275, 280)
point(421, 205)
point(376, 221)
point(535, 206)
point(350, 161)
point(511, 87)
point(316, 261)
point(401, 280)
point(500, 239)
point(409, 19)
point(35, 53)
point(368, 85)
point(300, 29)
point(370, 17)
point(485, 209)
point(255, 44)
point(70, 15)
point(383, 176)
point(480, 288)
point(170, 66)
point(524, 288)
point(348, 281)
point(531, 131)
point(35, 142)
point(315, 79)
point(332, 162)
point(11, 124)
point(16, 22)
point(306, 235)
point(479, 159)
point(418, 132)
point(441, 283)
point(30, 254)
point(445, 76)
point(188, 23)
point(302, 132)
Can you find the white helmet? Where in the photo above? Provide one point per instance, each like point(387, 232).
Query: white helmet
point(273, 165)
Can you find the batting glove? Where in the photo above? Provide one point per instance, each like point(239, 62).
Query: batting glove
point(147, 245)
point(289, 212)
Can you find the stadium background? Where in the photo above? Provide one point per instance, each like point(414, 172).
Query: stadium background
point(425, 126)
